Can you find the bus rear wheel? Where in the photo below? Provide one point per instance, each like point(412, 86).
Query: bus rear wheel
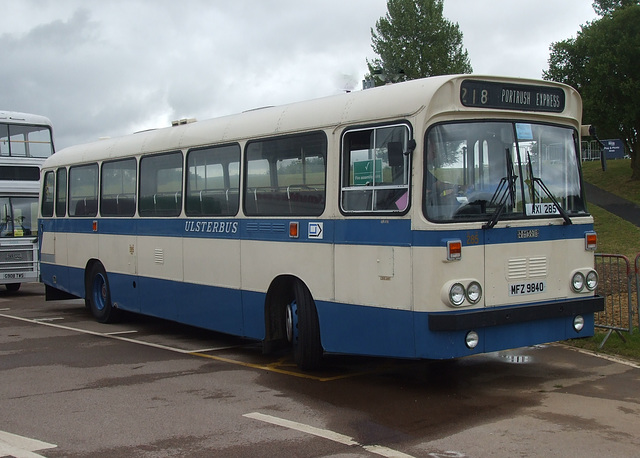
point(99, 296)
point(303, 329)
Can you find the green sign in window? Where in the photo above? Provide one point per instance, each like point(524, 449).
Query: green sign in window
point(363, 172)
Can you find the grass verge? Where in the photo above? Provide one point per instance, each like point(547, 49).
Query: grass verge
point(615, 236)
point(629, 348)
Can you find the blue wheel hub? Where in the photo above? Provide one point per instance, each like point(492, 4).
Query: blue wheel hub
point(291, 322)
point(99, 292)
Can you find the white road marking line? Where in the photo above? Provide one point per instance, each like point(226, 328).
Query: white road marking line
point(604, 356)
point(326, 434)
point(102, 334)
point(48, 319)
point(20, 446)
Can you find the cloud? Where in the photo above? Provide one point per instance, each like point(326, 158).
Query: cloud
point(111, 68)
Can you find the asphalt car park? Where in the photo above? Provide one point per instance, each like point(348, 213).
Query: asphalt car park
point(147, 387)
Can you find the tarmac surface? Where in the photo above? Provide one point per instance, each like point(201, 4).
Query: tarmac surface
point(623, 208)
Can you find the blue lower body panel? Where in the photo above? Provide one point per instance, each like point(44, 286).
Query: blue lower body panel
point(346, 329)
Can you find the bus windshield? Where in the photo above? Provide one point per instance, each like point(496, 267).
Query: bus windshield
point(18, 216)
point(485, 171)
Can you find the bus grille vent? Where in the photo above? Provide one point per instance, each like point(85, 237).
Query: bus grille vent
point(538, 267)
point(158, 256)
point(265, 226)
point(521, 268)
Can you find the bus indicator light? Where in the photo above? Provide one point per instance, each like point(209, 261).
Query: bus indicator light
point(590, 241)
point(95, 226)
point(454, 250)
point(293, 230)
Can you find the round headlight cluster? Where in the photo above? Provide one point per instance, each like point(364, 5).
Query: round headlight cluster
point(458, 293)
point(579, 282)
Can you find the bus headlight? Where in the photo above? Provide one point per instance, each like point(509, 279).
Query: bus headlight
point(577, 282)
point(456, 294)
point(471, 339)
point(578, 323)
point(592, 280)
point(474, 292)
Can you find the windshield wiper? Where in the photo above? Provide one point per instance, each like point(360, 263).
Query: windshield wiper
point(505, 190)
point(539, 181)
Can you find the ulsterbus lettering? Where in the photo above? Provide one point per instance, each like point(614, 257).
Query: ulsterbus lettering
point(217, 227)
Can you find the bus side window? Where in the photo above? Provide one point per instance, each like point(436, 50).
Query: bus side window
point(286, 176)
point(118, 191)
point(213, 181)
point(47, 194)
point(375, 170)
point(161, 185)
point(61, 192)
point(83, 190)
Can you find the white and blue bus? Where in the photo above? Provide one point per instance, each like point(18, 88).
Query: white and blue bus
point(436, 218)
point(25, 142)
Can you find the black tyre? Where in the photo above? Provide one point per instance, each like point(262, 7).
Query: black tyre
point(98, 296)
point(13, 287)
point(303, 329)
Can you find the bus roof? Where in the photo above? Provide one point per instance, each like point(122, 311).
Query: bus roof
point(16, 117)
point(391, 102)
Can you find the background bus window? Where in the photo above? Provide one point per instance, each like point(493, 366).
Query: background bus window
point(286, 176)
point(118, 193)
point(18, 216)
point(375, 170)
point(161, 185)
point(83, 190)
point(25, 141)
point(213, 181)
point(61, 192)
point(47, 194)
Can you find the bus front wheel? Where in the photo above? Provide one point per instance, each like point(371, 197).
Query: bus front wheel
point(303, 329)
point(13, 287)
point(99, 296)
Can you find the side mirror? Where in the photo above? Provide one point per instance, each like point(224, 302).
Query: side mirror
point(396, 155)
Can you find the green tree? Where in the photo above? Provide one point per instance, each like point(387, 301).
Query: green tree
point(603, 64)
point(414, 40)
point(604, 7)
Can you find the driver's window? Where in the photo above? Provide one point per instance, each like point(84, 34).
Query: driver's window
point(375, 170)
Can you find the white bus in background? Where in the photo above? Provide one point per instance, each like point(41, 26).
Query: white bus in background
point(25, 142)
point(435, 218)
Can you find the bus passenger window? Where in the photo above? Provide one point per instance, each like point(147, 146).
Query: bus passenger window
point(83, 190)
point(375, 170)
point(47, 194)
point(118, 193)
point(286, 176)
point(61, 192)
point(161, 185)
point(213, 181)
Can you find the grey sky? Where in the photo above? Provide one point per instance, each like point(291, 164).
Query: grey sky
point(109, 68)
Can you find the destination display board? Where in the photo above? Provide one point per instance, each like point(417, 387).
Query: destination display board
point(510, 96)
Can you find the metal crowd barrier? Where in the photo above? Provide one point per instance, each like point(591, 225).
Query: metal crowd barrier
point(618, 284)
